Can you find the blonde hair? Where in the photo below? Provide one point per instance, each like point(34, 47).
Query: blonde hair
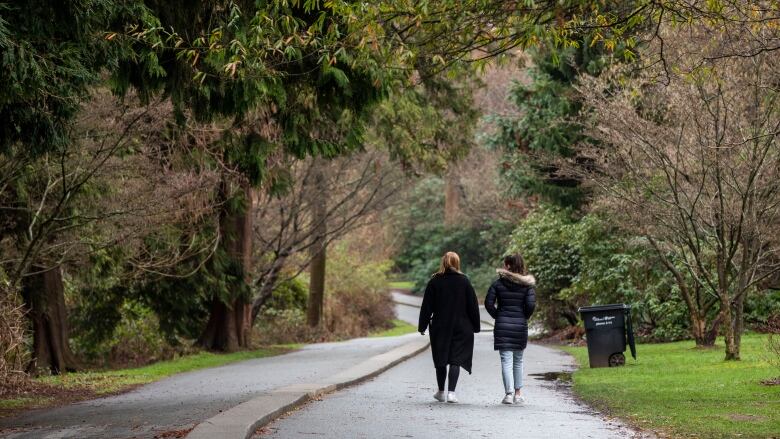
point(450, 261)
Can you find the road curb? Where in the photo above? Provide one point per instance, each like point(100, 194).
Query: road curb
point(241, 421)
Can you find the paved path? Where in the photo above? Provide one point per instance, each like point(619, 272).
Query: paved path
point(181, 401)
point(399, 403)
point(408, 309)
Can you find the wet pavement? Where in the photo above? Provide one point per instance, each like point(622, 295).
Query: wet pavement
point(179, 402)
point(399, 403)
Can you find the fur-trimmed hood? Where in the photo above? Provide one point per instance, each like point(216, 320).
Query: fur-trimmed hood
point(522, 279)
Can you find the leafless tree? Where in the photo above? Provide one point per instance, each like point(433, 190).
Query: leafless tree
point(109, 186)
point(692, 165)
point(325, 200)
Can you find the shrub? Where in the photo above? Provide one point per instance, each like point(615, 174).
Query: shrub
point(543, 238)
point(424, 239)
point(135, 340)
point(479, 256)
point(585, 261)
point(661, 315)
point(760, 307)
point(357, 302)
point(13, 345)
point(484, 275)
point(283, 318)
point(290, 294)
point(282, 326)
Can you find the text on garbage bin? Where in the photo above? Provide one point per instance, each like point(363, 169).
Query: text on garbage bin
point(603, 321)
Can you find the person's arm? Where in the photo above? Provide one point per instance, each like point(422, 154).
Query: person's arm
point(473, 307)
point(530, 303)
point(426, 310)
point(490, 301)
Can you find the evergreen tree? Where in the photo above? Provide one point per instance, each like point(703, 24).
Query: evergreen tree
point(547, 126)
point(51, 55)
point(317, 92)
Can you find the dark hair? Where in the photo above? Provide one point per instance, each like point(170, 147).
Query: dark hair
point(515, 263)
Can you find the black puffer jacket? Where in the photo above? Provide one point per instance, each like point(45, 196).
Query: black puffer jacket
point(511, 301)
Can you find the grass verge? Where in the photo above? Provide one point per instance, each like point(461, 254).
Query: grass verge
point(401, 285)
point(677, 389)
point(399, 328)
point(70, 387)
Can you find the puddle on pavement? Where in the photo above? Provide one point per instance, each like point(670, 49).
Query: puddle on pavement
point(553, 376)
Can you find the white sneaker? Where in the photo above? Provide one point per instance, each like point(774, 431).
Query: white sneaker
point(519, 399)
point(507, 399)
point(440, 396)
point(451, 397)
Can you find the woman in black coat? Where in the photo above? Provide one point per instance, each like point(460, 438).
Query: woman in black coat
point(511, 300)
point(451, 311)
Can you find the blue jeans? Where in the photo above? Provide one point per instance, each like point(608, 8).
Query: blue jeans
point(512, 367)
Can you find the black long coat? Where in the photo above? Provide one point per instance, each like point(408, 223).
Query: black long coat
point(511, 300)
point(451, 311)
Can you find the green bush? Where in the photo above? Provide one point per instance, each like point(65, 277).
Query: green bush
point(424, 239)
point(290, 294)
point(482, 276)
point(760, 307)
point(134, 340)
point(114, 323)
point(479, 256)
point(585, 261)
point(543, 238)
point(661, 315)
point(101, 297)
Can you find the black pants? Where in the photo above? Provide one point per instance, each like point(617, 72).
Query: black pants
point(441, 375)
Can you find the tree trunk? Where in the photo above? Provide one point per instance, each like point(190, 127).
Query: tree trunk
point(229, 325)
point(739, 323)
point(727, 308)
point(703, 335)
point(698, 330)
point(318, 250)
point(45, 302)
point(316, 288)
point(452, 198)
point(732, 349)
point(221, 333)
point(734, 328)
point(697, 312)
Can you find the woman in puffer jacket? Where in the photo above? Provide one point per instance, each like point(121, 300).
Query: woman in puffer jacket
point(511, 300)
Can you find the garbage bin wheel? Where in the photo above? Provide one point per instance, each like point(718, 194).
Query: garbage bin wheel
point(617, 359)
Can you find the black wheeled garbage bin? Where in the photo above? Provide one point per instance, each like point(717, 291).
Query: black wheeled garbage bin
point(607, 329)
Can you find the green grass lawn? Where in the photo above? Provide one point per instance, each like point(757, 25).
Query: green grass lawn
point(399, 328)
point(96, 383)
point(683, 391)
point(401, 285)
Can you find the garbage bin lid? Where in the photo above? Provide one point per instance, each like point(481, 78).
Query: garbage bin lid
point(610, 307)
